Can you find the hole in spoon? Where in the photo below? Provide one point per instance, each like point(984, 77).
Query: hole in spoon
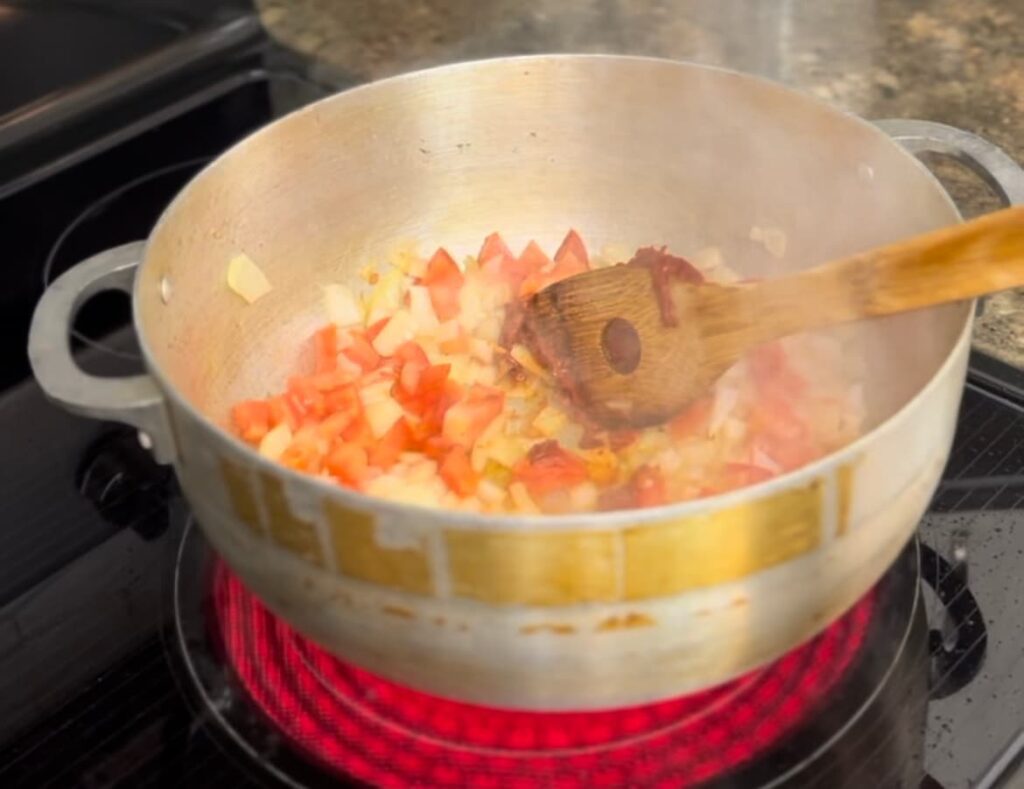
point(621, 345)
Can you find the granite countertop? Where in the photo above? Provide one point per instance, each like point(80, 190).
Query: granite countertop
point(960, 62)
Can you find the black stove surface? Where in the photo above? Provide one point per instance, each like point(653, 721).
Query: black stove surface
point(91, 693)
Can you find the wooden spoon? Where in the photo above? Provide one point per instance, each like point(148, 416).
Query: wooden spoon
point(620, 355)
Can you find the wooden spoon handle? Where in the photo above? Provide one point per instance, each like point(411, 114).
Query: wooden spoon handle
point(952, 264)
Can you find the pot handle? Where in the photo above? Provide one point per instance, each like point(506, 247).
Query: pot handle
point(990, 162)
point(135, 400)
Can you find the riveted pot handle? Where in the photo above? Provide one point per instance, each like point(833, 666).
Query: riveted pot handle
point(987, 160)
point(135, 400)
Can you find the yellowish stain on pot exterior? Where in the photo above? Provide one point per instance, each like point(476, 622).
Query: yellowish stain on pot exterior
point(844, 495)
point(533, 568)
point(287, 530)
point(556, 568)
point(358, 554)
point(555, 628)
point(625, 622)
point(241, 494)
point(705, 550)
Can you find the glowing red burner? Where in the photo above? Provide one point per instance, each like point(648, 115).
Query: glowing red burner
point(381, 733)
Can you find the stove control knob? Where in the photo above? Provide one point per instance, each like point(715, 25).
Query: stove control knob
point(127, 487)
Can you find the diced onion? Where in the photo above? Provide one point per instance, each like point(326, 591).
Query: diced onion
point(247, 279)
point(276, 441)
point(343, 308)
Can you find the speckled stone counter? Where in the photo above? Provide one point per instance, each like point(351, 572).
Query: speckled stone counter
point(960, 62)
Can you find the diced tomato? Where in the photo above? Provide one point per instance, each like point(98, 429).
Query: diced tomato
point(359, 432)
point(252, 418)
point(648, 487)
point(325, 349)
point(494, 255)
point(305, 399)
point(362, 352)
point(327, 382)
point(499, 264)
point(411, 361)
point(694, 421)
point(304, 453)
point(535, 268)
point(572, 246)
point(431, 386)
point(457, 472)
point(282, 412)
point(376, 328)
point(739, 475)
point(344, 399)
point(466, 420)
point(443, 280)
point(549, 466)
point(385, 453)
point(770, 370)
point(335, 424)
point(436, 447)
point(347, 463)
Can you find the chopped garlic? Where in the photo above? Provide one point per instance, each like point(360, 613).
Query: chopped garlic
point(247, 279)
point(386, 296)
point(276, 441)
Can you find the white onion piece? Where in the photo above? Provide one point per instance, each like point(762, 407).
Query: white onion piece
point(247, 279)
point(342, 306)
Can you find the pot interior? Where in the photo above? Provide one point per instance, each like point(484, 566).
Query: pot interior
point(630, 152)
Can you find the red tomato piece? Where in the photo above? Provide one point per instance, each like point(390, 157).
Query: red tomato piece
point(533, 261)
point(497, 262)
point(362, 352)
point(305, 399)
point(739, 475)
point(376, 328)
point(549, 466)
point(572, 245)
point(769, 368)
point(282, 412)
point(347, 463)
point(304, 453)
point(252, 418)
point(494, 255)
point(648, 487)
point(359, 432)
point(443, 280)
point(325, 349)
point(385, 453)
point(457, 472)
point(410, 360)
point(467, 419)
point(694, 421)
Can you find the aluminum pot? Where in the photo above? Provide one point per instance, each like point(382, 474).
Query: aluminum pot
point(566, 612)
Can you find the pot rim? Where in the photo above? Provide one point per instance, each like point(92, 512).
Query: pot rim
point(615, 519)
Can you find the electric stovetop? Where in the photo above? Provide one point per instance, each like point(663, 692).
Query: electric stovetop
point(94, 690)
